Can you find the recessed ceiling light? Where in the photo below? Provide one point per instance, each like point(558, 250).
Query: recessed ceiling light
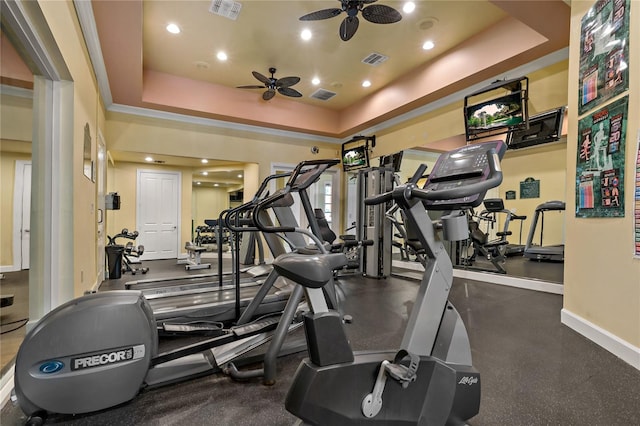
point(204, 161)
point(305, 34)
point(366, 83)
point(315, 81)
point(428, 45)
point(205, 173)
point(222, 56)
point(197, 183)
point(173, 29)
point(216, 184)
point(409, 7)
point(240, 176)
point(148, 159)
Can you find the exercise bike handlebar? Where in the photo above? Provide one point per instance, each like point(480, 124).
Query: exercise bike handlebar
point(411, 191)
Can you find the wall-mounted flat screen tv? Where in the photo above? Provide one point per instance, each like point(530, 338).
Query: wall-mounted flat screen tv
point(496, 112)
point(355, 153)
point(392, 161)
point(543, 128)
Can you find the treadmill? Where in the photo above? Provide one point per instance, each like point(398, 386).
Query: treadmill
point(223, 303)
point(553, 253)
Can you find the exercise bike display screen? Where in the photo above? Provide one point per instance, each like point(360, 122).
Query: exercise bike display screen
point(463, 166)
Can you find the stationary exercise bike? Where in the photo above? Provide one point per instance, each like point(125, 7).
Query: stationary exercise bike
point(430, 380)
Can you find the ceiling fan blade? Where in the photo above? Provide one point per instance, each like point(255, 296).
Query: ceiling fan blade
point(287, 81)
point(288, 91)
point(348, 27)
point(268, 94)
point(260, 77)
point(381, 14)
point(252, 86)
point(321, 14)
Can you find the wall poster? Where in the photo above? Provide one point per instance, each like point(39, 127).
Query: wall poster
point(600, 163)
point(604, 53)
point(636, 209)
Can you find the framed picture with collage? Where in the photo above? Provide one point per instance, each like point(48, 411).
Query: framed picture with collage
point(601, 160)
point(604, 53)
point(604, 76)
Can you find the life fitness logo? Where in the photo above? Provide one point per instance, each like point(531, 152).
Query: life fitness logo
point(468, 380)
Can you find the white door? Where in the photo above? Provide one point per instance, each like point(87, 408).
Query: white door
point(25, 231)
point(158, 213)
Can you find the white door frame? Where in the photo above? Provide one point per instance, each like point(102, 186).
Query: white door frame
point(179, 202)
point(101, 184)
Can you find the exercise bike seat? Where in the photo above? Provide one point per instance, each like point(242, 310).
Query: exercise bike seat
point(312, 271)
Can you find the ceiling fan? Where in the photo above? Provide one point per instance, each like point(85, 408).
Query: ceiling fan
point(376, 13)
point(282, 85)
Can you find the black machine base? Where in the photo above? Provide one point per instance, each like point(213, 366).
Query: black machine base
point(441, 394)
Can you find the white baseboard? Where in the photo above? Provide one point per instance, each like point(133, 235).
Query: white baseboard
point(612, 343)
point(6, 386)
point(526, 283)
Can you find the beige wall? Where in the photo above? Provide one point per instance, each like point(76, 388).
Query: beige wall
point(208, 203)
point(547, 164)
point(601, 279)
point(62, 20)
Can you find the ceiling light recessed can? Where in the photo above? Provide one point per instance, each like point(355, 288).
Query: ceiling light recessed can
point(366, 83)
point(173, 29)
point(148, 159)
point(240, 176)
point(222, 56)
point(216, 184)
point(315, 81)
point(305, 34)
point(205, 173)
point(428, 45)
point(204, 161)
point(197, 183)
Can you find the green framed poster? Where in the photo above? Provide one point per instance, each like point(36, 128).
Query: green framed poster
point(604, 53)
point(600, 163)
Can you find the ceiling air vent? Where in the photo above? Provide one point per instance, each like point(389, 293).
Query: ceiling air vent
point(323, 94)
point(227, 8)
point(375, 59)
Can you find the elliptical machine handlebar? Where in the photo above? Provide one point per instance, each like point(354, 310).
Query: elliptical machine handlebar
point(264, 205)
point(248, 224)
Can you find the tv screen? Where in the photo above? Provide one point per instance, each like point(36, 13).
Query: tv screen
point(355, 157)
point(500, 113)
point(543, 128)
point(393, 161)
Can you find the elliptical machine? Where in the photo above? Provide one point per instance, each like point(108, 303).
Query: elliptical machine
point(430, 380)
